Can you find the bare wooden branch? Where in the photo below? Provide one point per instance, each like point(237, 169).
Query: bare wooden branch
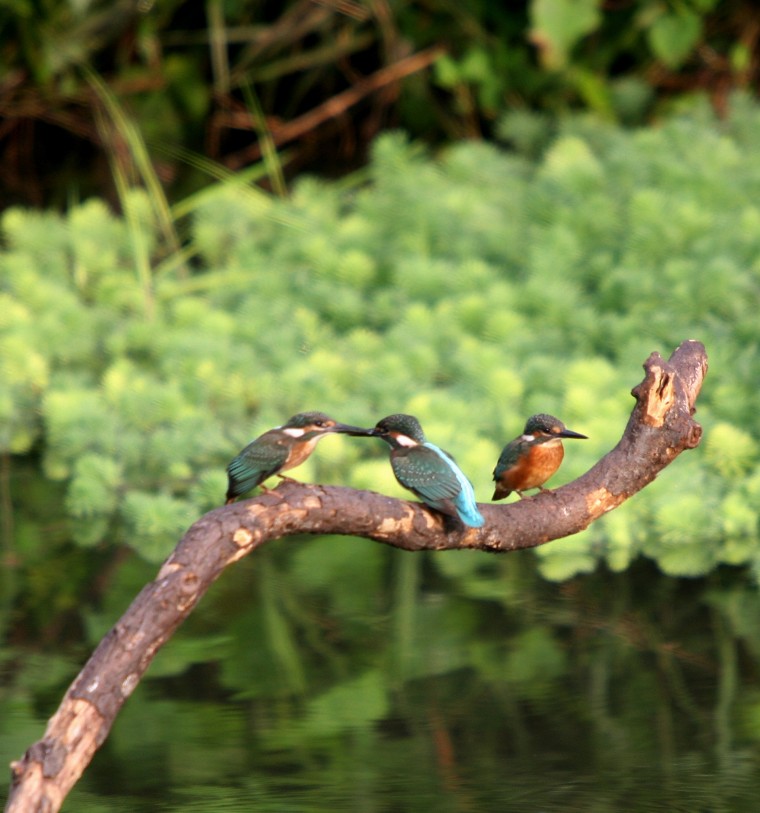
point(661, 426)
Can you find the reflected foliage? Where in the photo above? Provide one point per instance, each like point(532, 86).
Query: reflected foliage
point(631, 691)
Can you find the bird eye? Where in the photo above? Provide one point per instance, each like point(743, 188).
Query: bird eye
point(319, 423)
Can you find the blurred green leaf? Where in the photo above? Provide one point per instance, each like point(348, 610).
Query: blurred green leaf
point(534, 661)
point(556, 25)
point(674, 35)
point(357, 703)
point(565, 558)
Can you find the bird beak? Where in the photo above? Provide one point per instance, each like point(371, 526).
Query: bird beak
point(347, 429)
point(568, 433)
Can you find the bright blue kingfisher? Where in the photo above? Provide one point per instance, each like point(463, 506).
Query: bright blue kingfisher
point(529, 460)
point(428, 471)
point(280, 449)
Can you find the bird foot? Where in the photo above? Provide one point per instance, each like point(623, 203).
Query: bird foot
point(272, 492)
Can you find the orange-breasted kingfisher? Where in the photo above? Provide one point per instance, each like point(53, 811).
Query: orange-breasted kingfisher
point(427, 471)
point(280, 449)
point(531, 459)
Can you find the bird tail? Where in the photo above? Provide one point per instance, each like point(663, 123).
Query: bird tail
point(468, 512)
point(500, 492)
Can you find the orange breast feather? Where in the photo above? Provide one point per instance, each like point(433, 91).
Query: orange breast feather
point(534, 468)
point(299, 453)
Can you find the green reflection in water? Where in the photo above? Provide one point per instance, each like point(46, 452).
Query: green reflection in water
point(415, 683)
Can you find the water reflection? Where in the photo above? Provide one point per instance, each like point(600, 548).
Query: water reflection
point(433, 692)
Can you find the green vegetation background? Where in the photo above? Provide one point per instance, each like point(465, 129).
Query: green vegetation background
point(217, 77)
point(472, 289)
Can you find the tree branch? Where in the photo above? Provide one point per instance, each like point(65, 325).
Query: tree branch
point(661, 426)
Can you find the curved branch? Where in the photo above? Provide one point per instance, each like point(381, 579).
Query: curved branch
point(661, 426)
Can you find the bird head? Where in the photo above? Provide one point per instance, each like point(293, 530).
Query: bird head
point(399, 430)
point(309, 424)
point(547, 427)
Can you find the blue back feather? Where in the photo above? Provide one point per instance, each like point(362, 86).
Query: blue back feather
point(465, 503)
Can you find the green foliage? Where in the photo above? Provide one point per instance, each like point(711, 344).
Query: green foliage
point(674, 34)
point(352, 704)
point(472, 291)
point(193, 74)
point(559, 24)
point(568, 557)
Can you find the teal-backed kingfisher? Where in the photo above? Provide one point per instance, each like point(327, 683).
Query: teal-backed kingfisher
point(531, 459)
point(280, 449)
point(428, 471)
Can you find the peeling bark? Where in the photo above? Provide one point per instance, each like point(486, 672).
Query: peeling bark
point(661, 426)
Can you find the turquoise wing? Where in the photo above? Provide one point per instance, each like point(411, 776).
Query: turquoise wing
point(435, 478)
point(423, 472)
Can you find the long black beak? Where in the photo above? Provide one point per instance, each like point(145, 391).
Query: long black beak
point(347, 429)
point(568, 433)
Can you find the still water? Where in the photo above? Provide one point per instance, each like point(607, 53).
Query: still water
point(464, 685)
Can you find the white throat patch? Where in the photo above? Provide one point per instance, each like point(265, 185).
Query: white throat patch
point(405, 440)
point(294, 431)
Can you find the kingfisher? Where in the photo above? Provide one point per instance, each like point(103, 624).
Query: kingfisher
point(281, 448)
point(529, 460)
point(427, 471)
